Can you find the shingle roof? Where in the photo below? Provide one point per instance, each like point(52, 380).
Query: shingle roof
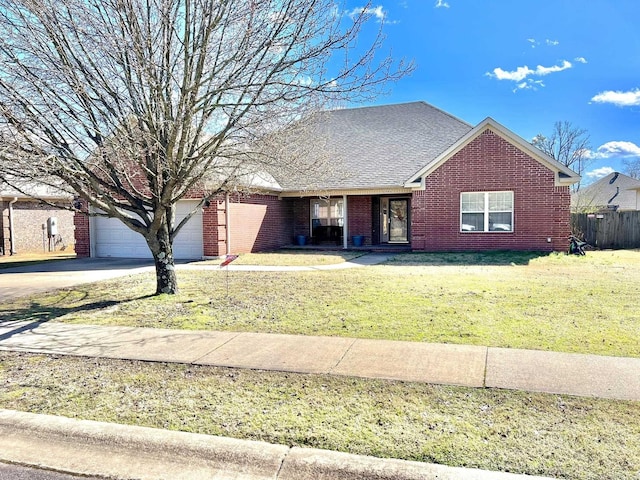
point(31, 189)
point(615, 189)
point(380, 146)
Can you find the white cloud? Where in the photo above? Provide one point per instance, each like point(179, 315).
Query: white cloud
point(540, 70)
point(377, 12)
point(618, 149)
point(599, 172)
point(529, 84)
point(516, 75)
point(521, 75)
point(552, 43)
point(580, 60)
point(621, 99)
point(441, 4)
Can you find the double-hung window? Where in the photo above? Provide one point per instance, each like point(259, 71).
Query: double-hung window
point(486, 212)
point(327, 212)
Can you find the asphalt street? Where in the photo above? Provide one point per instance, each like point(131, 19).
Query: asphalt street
point(42, 277)
point(18, 472)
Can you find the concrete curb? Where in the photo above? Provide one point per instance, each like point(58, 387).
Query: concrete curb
point(86, 447)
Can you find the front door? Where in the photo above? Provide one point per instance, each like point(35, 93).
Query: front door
point(394, 220)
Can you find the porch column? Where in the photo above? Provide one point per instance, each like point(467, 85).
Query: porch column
point(227, 222)
point(345, 229)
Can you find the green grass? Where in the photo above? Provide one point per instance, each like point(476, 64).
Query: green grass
point(550, 302)
point(295, 258)
point(536, 434)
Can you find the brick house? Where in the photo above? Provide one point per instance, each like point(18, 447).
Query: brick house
point(411, 176)
point(30, 221)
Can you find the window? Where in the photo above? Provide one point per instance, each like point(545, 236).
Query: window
point(327, 212)
point(486, 212)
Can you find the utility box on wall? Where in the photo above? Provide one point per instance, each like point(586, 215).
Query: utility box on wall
point(52, 227)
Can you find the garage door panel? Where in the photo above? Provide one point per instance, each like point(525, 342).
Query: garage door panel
point(112, 238)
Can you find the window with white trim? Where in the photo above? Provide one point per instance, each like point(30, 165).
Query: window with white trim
point(486, 212)
point(327, 212)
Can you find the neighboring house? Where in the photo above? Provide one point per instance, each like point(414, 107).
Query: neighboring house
point(406, 176)
point(615, 192)
point(30, 222)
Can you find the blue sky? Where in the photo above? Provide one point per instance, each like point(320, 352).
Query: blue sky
point(525, 63)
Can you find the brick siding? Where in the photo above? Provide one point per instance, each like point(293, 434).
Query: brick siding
point(28, 218)
point(260, 222)
point(489, 163)
point(82, 235)
point(359, 217)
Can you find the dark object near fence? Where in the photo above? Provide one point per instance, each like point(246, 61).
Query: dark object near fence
point(608, 229)
point(576, 246)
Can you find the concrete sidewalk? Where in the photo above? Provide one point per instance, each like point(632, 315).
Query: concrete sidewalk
point(465, 365)
point(118, 451)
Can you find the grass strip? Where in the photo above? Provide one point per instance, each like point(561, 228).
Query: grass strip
point(537, 434)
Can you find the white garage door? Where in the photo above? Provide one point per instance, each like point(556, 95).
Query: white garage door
point(113, 239)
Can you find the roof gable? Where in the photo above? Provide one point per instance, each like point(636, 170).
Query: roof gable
point(563, 174)
point(615, 189)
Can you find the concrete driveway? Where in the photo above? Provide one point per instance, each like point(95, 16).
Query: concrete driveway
point(45, 276)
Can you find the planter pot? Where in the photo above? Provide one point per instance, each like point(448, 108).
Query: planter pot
point(357, 240)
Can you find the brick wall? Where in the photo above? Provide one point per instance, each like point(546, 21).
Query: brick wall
point(260, 222)
point(257, 223)
point(359, 217)
point(82, 236)
point(301, 211)
point(214, 228)
point(489, 163)
point(28, 218)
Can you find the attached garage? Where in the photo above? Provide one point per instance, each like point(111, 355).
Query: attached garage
point(111, 238)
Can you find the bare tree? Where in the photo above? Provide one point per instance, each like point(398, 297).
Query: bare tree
point(632, 167)
point(568, 145)
point(134, 104)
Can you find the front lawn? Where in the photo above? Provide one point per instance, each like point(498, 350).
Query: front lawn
point(550, 302)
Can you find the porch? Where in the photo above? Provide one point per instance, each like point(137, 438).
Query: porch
point(353, 222)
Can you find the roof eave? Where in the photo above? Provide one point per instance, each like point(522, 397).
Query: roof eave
point(373, 190)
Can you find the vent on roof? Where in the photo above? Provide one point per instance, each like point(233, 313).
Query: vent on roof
point(613, 179)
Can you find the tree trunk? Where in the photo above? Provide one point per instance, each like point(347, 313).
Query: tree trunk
point(162, 250)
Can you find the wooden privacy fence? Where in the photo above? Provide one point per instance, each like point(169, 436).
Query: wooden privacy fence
point(608, 229)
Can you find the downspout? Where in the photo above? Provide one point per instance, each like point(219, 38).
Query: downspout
point(12, 238)
point(227, 219)
point(345, 228)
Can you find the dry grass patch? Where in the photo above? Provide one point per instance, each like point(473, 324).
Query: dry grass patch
point(536, 434)
point(290, 258)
